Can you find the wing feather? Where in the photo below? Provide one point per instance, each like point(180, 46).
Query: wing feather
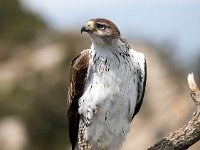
point(78, 77)
point(142, 76)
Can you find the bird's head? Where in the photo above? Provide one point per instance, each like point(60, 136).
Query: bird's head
point(102, 31)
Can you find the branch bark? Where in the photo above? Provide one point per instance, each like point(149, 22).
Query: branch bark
point(190, 133)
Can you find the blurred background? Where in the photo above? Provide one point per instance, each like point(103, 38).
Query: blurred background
point(38, 39)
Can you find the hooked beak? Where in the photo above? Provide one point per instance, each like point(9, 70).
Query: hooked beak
point(83, 29)
point(89, 27)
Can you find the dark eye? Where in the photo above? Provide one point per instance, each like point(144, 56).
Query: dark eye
point(100, 26)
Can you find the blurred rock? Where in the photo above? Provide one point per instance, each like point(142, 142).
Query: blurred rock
point(13, 135)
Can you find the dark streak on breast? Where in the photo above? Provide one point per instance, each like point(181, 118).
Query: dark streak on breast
point(105, 118)
point(116, 56)
point(96, 59)
point(105, 61)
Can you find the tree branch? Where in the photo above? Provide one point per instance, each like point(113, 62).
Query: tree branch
point(190, 133)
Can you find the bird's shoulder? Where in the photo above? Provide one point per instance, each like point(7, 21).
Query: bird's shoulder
point(138, 57)
point(142, 75)
point(78, 73)
point(81, 61)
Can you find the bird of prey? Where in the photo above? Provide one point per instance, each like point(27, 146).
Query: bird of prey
point(106, 90)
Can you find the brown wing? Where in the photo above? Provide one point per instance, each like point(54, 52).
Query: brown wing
point(78, 75)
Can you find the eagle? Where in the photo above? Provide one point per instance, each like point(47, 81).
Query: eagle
point(106, 89)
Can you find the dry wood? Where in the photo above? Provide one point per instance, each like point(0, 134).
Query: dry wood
point(190, 133)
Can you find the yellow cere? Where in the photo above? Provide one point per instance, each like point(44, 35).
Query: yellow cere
point(90, 24)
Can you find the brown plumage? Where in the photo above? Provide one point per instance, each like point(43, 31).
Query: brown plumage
point(78, 75)
point(107, 84)
point(112, 31)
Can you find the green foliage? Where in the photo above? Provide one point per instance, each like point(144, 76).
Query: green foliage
point(39, 98)
point(16, 24)
point(40, 101)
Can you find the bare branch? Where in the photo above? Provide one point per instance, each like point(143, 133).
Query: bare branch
point(190, 133)
point(194, 91)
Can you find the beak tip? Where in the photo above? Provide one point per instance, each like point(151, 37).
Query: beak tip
point(83, 29)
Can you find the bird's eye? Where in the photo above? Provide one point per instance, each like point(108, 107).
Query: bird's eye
point(102, 27)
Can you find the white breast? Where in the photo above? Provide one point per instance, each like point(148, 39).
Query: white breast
point(109, 99)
